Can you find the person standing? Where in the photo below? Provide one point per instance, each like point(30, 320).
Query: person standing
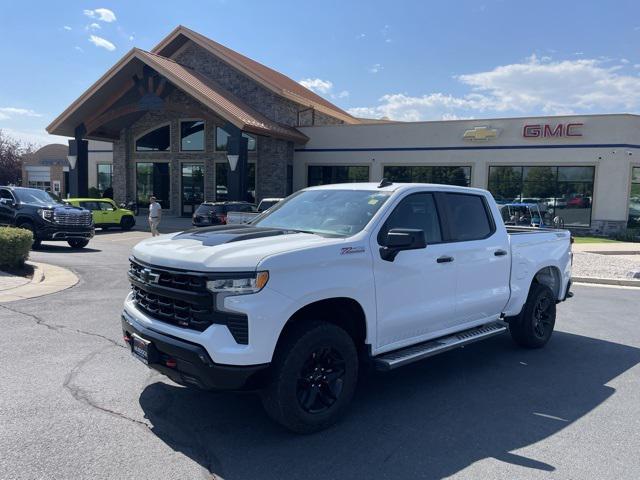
point(155, 215)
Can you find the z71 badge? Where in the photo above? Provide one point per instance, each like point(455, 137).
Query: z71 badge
point(350, 250)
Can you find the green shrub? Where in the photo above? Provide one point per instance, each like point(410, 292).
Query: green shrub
point(15, 244)
point(628, 235)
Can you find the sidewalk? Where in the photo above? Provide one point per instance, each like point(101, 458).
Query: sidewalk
point(607, 263)
point(46, 279)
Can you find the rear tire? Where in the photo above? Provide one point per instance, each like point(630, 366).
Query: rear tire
point(315, 373)
point(127, 222)
point(534, 326)
point(77, 243)
point(29, 226)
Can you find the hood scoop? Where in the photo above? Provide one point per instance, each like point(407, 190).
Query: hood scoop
point(212, 236)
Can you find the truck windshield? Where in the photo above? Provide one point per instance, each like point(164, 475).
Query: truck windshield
point(339, 213)
point(35, 197)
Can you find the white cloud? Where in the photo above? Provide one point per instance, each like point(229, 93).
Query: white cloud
point(94, 26)
point(102, 43)
point(11, 112)
point(131, 38)
point(342, 94)
point(534, 86)
point(67, 28)
point(38, 137)
point(317, 85)
point(102, 14)
point(625, 61)
point(79, 49)
point(375, 68)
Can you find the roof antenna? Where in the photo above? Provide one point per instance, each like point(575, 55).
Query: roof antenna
point(385, 183)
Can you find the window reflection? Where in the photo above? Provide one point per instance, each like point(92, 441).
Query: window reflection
point(192, 136)
point(328, 174)
point(222, 138)
point(565, 193)
point(429, 174)
point(158, 140)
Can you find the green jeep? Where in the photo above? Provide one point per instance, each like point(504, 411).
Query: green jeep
point(105, 212)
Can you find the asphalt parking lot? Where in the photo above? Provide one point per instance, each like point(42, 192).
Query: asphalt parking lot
point(75, 404)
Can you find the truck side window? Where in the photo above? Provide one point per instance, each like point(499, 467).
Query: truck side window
point(467, 217)
point(415, 211)
point(6, 194)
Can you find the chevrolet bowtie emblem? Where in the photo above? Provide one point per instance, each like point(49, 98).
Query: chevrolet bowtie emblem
point(480, 133)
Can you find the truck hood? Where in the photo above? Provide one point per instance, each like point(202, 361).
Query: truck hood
point(223, 248)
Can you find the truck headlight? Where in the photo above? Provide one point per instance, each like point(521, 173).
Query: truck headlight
point(46, 214)
point(239, 286)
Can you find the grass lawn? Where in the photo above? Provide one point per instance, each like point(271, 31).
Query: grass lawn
point(594, 240)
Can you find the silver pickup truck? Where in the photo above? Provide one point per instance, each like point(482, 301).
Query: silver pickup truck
point(246, 217)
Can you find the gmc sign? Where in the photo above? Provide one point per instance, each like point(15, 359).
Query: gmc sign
point(544, 130)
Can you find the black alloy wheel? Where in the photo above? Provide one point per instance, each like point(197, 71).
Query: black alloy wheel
point(533, 327)
point(542, 316)
point(321, 380)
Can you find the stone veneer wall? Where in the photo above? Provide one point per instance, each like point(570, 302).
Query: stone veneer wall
point(272, 155)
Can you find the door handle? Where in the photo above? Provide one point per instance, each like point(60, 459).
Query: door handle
point(444, 259)
point(500, 253)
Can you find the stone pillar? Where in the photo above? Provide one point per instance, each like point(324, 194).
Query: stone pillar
point(120, 169)
point(273, 157)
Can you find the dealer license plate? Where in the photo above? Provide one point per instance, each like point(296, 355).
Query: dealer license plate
point(140, 349)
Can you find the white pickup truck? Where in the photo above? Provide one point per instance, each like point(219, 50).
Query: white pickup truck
point(334, 276)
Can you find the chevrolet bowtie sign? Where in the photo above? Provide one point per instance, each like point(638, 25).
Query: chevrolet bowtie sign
point(480, 134)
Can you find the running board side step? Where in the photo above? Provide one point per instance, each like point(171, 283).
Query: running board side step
point(404, 356)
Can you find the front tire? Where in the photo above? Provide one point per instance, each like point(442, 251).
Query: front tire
point(127, 222)
point(534, 326)
point(29, 226)
point(77, 243)
point(314, 378)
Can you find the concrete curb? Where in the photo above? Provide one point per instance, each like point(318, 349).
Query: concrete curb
point(46, 279)
point(607, 281)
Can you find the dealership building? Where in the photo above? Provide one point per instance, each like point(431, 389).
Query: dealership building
point(192, 120)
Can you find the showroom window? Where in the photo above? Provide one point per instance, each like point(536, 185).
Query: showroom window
point(429, 174)
point(634, 199)
point(105, 176)
point(222, 138)
point(192, 136)
point(158, 140)
point(152, 179)
point(327, 174)
point(222, 182)
point(562, 192)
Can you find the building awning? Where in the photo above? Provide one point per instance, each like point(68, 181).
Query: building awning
point(94, 105)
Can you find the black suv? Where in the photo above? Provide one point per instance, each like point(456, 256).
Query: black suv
point(46, 216)
point(215, 213)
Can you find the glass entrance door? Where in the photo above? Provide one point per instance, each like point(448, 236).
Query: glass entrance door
point(192, 182)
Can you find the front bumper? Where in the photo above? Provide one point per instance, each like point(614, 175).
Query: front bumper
point(59, 232)
point(189, 364)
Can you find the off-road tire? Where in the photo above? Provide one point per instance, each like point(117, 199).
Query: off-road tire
point(281, 399)
point(127, 222)
point(534, 326)
point(29, 226)
point(78, 243)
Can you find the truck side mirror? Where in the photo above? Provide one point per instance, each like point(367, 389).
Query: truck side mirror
point(7, 201)
point(399, 239)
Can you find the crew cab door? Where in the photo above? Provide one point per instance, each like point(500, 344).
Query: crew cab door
point(479, 245)
point(415, 291)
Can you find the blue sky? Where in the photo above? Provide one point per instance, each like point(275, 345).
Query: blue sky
point(406, 60)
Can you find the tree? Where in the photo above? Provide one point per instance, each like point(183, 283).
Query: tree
point(12, 152)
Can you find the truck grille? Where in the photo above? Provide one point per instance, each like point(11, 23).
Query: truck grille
point(182, 299)
point(72, 219)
